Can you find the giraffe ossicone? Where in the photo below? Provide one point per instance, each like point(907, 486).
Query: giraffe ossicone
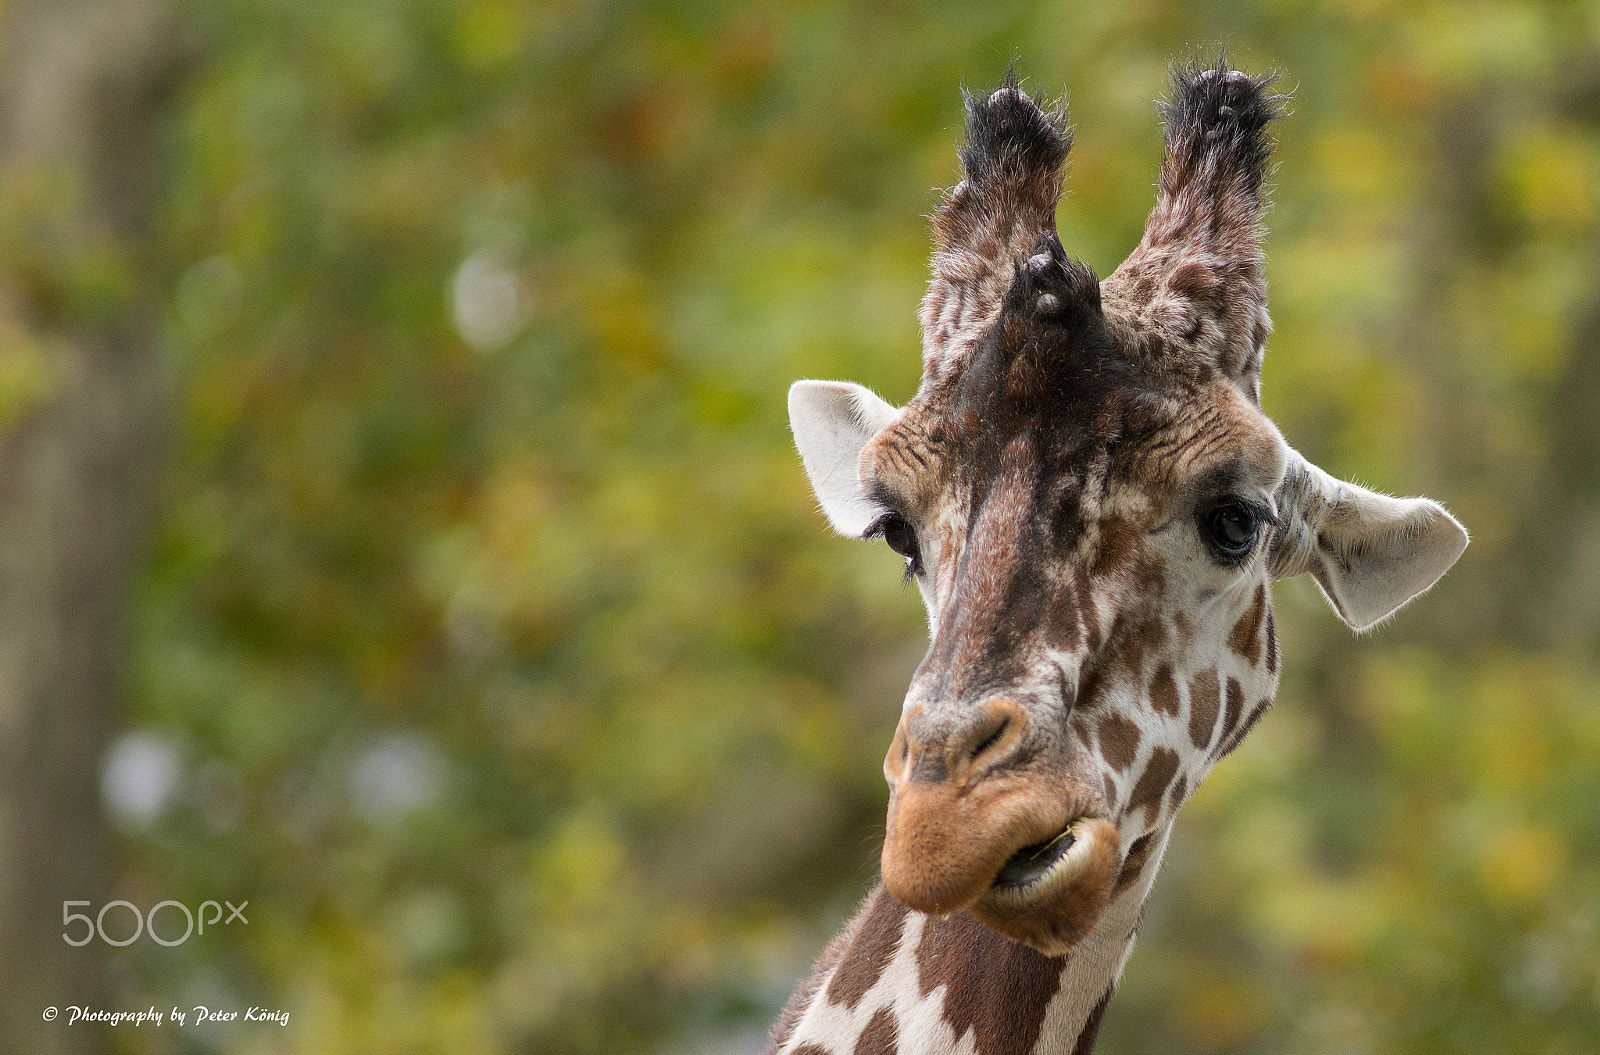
point(1093, 506)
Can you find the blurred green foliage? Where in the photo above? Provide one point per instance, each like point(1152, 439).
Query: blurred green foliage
point(515, 681)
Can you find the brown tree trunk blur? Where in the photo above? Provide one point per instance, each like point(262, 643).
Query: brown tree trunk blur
point(82, 409)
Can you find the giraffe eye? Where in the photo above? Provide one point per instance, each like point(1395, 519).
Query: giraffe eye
point(897, 531)
point(1231, 527)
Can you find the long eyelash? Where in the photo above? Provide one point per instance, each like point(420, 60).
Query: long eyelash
point(1269, 519)
point(1264, 513)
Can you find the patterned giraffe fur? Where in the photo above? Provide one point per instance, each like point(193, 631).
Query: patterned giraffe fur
point(1091, 658)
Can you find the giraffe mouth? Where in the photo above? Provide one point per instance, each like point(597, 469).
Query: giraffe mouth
point(1050, 894)
point(1044, 868)
point(1032, 863)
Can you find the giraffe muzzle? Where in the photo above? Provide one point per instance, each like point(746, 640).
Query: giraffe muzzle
point(977, 821)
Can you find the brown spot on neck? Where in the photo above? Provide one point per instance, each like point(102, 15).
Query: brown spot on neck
point(1133, 864)
point(1180, 791)
point(1164, 691)
point(1230, 716)
point(1154, 781)
point(873, 946)
point(1091, 1028)
point(881, 1037)
point(1204, 698)
point(1119, 741)
point(1246, 636)
point(1135, 638)
point(1243, 731)
point(994, 987)
point(1080, 729)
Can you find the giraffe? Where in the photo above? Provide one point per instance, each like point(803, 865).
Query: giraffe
point(1093, 506)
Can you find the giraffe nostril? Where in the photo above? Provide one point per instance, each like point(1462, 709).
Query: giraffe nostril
point(993, 738)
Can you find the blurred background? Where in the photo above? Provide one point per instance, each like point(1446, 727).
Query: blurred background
point(399, 527)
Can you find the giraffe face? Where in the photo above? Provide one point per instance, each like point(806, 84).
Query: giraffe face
point(1092, 540)
point(1093, 506)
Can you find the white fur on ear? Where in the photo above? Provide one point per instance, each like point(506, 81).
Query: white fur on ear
point(832, 421)
point(1369, 553)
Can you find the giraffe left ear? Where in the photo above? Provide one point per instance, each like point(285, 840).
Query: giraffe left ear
point(832, 421)
point(1369, 553)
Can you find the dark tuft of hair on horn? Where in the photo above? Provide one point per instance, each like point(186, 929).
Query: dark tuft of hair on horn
point(1222, 113)
point(1011, 166)
point(1011, 138)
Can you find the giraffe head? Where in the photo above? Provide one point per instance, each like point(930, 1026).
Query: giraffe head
point(1093, 505)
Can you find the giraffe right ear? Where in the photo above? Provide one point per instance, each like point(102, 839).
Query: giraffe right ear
point(832, 421)
point(1369, 553)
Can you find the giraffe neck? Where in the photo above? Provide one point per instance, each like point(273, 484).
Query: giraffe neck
point(897, 982)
